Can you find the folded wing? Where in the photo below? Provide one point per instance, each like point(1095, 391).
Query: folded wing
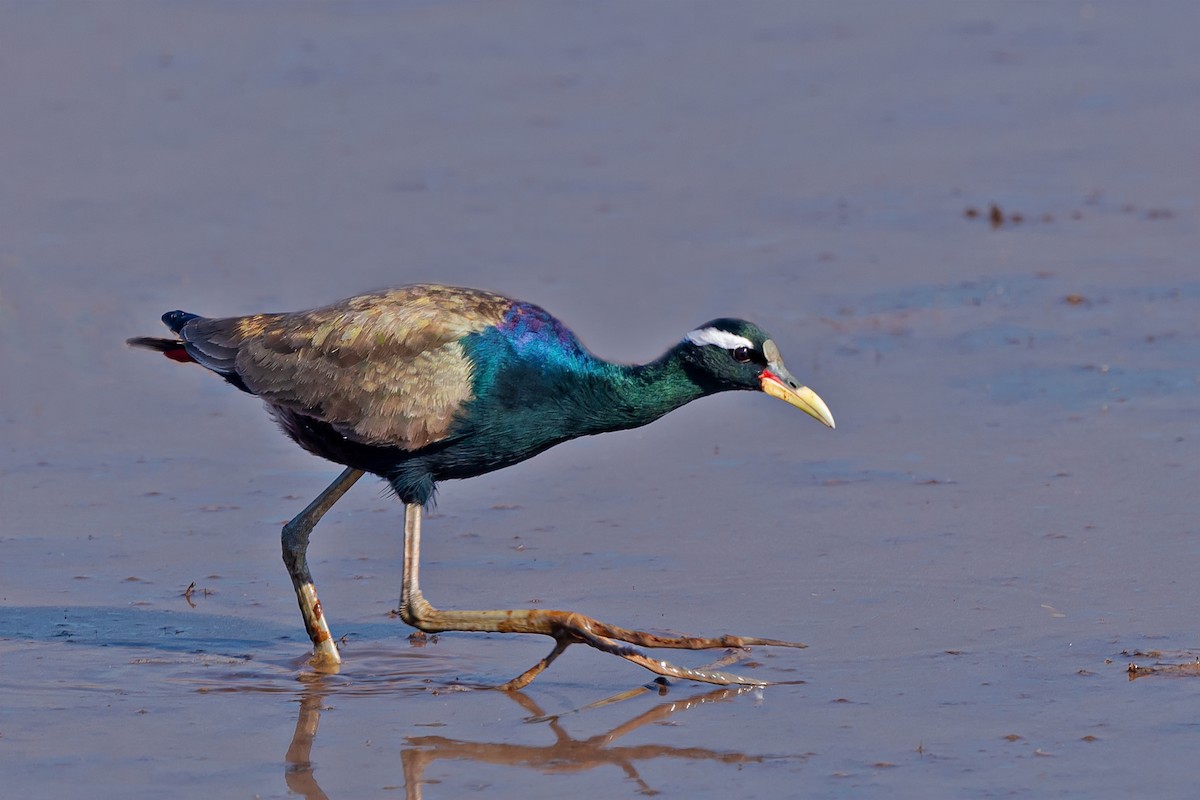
point(386, 368)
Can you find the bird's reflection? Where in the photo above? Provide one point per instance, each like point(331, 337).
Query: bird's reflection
point(298, 773)
point(567, 754)
point(564, 755)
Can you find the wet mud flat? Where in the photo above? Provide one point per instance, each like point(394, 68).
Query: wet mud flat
point(950, 220)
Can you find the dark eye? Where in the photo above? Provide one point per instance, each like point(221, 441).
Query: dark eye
point(742, 354)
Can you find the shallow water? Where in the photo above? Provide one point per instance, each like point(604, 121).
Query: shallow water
point(1002, 522)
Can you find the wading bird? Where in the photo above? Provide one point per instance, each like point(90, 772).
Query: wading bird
point(425, 383)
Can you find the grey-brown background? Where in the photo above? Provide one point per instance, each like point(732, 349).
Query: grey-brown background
point(1008, 503)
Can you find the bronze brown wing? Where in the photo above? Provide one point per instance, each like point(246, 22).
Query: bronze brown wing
point(383, 369)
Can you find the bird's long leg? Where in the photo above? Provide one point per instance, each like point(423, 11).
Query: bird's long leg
point(565, 627)
point(295, 549)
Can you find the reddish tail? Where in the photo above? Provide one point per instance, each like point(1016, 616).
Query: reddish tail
point(171, 348)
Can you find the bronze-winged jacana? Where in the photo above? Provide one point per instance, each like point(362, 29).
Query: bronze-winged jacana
point(425, 383)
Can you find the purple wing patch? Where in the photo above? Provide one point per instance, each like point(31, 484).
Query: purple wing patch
point(530, 329)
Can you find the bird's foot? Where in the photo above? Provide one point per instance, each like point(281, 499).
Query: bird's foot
point(325, 658)
point(569, 628)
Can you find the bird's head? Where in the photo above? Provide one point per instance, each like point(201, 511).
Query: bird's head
point(735, 354)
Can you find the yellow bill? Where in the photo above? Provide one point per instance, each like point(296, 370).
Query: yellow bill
point(778, 382)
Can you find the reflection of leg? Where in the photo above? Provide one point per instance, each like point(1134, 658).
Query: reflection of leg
point(299, 772)
point(414, 760)
point(570, 755)
point(295, 550)
point(565, 627)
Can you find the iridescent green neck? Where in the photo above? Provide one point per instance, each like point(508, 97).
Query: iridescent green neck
point(618, 396)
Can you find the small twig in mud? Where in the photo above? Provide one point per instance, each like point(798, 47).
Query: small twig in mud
point(190, 591)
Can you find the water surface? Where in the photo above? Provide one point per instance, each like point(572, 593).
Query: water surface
point(973, 231)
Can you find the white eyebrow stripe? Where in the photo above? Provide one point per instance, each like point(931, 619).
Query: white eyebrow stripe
point(718, 338)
